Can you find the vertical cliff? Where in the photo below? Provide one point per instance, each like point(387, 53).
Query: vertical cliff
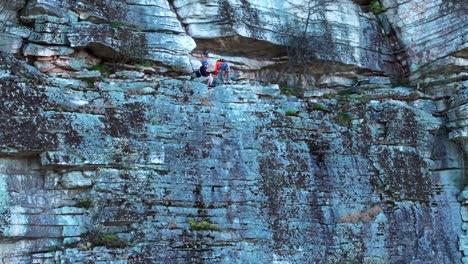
point(106, 158)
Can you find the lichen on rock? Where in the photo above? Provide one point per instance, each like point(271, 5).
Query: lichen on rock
point(111, 152)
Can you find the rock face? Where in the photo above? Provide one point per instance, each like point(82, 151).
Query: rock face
point(253, 35)
point(342, 32)
point(431, 31)
point(11, 32)
point(143, 165)
point(169, 49)
point(457, 115)
point(153, 34)
point(156, 170)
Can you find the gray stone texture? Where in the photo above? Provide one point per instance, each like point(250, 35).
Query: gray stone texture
point(341, 31)
point(280, 179)
point(410, 38)
point(430, 31)
point(147, 166)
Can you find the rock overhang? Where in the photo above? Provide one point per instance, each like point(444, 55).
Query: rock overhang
point(338, 36)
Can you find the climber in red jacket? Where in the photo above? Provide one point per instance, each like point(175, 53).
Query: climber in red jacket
point(222, 70)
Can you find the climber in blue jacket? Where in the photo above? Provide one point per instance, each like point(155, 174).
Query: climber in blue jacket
point(204, 72)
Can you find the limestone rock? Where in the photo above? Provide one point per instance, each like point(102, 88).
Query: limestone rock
point(44, 66)
point(334, 169)
point(43, 18)
point(170, 49)
point(154, 15)
point(429, 30)
point(47, 32)
point(104, 40)
point(10, 43)
point(18, 30)
point(224, 27)
point(16, 4)
point(55, 8)
point(74, 180)
point(85, 74)
point(78, 61)
point(458, 119)
point(272, 90)
point(335, 81)
point(11, 32)
point(46, 51)
point(60, 58)
point(165, 169)
point(129, 74)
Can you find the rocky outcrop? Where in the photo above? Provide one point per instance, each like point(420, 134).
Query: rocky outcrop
point(154, 33)
point(105, 40)
point(458, 119)
point(341, 32)
point(139, 164)
point(119, 167)
point(431, 31)
point(154, 16)
point(220, 28)
point(344, 36)
point(463, 238)
point(12, 33)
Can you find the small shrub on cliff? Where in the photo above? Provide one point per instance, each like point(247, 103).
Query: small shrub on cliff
point(320, 107)
point(343, 119)
point(116, 24)
point(85, 203)
point(103, 69)
point(178, 68)
point(147, 64)
point(202, 225)
point(99, 238)
point(54, 249)
point(376, 7)
point(291, 91)
point(292, 112)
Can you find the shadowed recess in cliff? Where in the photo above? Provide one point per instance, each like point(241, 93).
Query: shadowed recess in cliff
point(240, 46)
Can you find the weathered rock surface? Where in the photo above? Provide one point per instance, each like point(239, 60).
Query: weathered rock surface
point(430, 31)
point(458, 117)
point(132, 167)
point(136, 167)
point(345, 36)
point(46, 51)
point(12, 32)
point(167, 48)
point(463, 237)
point(10, 44)
point(342, 31)
point(154, 15)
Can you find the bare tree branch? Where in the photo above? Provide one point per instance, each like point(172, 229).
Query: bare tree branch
point(303, 48)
